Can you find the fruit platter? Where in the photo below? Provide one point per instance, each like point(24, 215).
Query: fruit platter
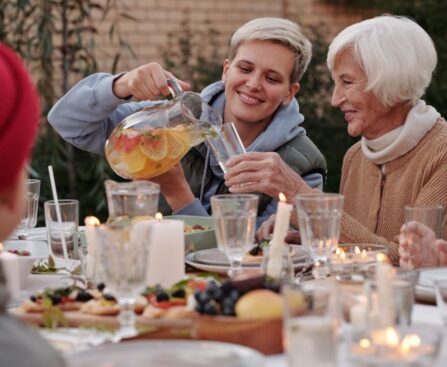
point(247, 311)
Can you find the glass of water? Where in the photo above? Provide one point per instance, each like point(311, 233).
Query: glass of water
point(123, 258)
point(225, 144)
point(235, 225)
point(29, 218)
point(309, 325)
point(319, 217)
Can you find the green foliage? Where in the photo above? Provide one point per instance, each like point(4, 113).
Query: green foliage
point(56, 39)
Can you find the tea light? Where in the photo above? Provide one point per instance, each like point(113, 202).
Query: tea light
point(282, 222)
point(387, 346)
point(341, 264)
point(385, 292)
point(92, 246)
point(167, 251)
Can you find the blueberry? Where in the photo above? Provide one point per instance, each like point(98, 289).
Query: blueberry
point(55, 299)
point(109, 297)
point(228, 311)
point(234, 295)
point(101, 286)
point(226, 287)
point(199, 308)
point(83, 296)
point(162, 296)
point(179, 293)
point(210, 308)
point(214, 293)
point(201, 297)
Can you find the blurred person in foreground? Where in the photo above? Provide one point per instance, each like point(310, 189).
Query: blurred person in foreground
point(419, 248)
point(380, 68)
point(266, 60)
point(19, 117)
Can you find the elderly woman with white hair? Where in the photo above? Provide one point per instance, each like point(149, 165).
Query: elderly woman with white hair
point(380, 68)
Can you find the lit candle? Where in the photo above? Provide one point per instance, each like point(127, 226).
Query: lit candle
point(280, 229)
point(385, 292)
point(92, 247)
point(358, 313)
point(166, 251)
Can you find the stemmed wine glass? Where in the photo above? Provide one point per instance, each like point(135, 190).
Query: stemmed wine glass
point(319, 217)
point(235, 224)
point(124, 254)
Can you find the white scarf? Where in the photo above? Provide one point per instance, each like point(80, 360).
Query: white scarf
point(394, 144)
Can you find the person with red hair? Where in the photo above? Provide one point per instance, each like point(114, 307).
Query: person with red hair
point(19, 120)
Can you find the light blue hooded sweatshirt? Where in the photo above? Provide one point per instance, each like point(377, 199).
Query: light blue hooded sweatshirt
point(87, 114)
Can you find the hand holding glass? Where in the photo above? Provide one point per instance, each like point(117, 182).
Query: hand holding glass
point(235, 224)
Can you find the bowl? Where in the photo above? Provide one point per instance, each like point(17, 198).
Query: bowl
point(38, 250)
point(198, 240)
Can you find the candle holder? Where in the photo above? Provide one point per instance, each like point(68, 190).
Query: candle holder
point(353, 262)
point(403, 347)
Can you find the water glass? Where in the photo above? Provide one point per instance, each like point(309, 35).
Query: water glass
point(319, 217)
point(309, 325)
point(235, 225)
point(441, 299)
point(225, 144)
point(124, 258)
point(67, 228)
point(29, 218)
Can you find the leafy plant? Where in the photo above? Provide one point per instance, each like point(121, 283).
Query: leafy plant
point(56, 39)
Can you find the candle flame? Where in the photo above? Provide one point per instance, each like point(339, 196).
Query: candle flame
point(363, 254)
point(158, 216)
point(282, 197)
point(91, 221)
point(365, 343)
point(338, 251)
point(1, 246)
point(381, 258)
point(343, 255)
point(357, 250)
point(392, 338)
point(410, 341)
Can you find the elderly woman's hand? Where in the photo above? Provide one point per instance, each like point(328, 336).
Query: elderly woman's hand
point(266, 229)
point(264, 172)
point(417, 246)
point(146, 82)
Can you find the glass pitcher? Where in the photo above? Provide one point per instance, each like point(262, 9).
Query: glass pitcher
point(152, 140)
point(131, 199)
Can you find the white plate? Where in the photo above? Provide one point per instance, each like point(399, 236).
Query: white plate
point(215, 261)
point(425, 288)
point(168, 353)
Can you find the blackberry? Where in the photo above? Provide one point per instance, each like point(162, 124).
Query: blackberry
point(101, 286)
point(83, 296)
point(55, 299)
point(179, 293)
point(33, 298)
point(162, 296)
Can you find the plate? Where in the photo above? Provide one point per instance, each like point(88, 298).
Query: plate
point(168, 353)
point(425, 288)
point(213, 260)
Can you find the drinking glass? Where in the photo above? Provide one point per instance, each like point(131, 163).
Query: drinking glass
point(235, 224)
point(441, 299)
point(319, 218)
point(124, 258)
point(68, 228)
point(29, 217)
point(309, 325)
point(225, 144)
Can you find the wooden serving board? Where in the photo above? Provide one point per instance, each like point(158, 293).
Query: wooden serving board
point(262, 335)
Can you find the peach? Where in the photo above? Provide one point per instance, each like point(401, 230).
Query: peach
point(259, 304)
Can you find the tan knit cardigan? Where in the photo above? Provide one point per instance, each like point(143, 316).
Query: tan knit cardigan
point(375, 201)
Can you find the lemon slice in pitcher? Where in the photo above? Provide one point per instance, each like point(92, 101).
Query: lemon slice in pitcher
point(176, 145)
point(135, 161)
point(154, 145)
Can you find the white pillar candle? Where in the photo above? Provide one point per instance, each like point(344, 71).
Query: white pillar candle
point(92, 247)
point(384, 284)
point(166, 252)
point(280, 229)
point(10, 266)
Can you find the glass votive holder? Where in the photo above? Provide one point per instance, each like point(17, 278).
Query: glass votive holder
point(403, 347)
point(352, 262)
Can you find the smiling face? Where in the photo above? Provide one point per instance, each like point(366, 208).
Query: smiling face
point(257, 81)
point(365, 114)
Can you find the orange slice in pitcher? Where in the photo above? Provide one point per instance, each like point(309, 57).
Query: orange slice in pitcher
point(154, 145)
point(134, 160)
point(176, 145)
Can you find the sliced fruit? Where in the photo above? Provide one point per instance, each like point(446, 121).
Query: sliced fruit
point(134, 160)
point(125, 140)
point(176, 145)
point(154, 145)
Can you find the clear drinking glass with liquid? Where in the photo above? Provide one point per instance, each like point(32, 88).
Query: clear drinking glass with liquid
point(29, 218)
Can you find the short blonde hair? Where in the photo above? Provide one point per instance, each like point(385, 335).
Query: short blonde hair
point(277, 30)
point(396, 54)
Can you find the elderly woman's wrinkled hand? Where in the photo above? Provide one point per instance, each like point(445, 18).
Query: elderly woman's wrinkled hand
point(147, 82)
point(417, 246)
point(266, 229)
point(264, 172)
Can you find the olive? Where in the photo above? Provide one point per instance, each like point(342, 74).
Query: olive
point(162, 296)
